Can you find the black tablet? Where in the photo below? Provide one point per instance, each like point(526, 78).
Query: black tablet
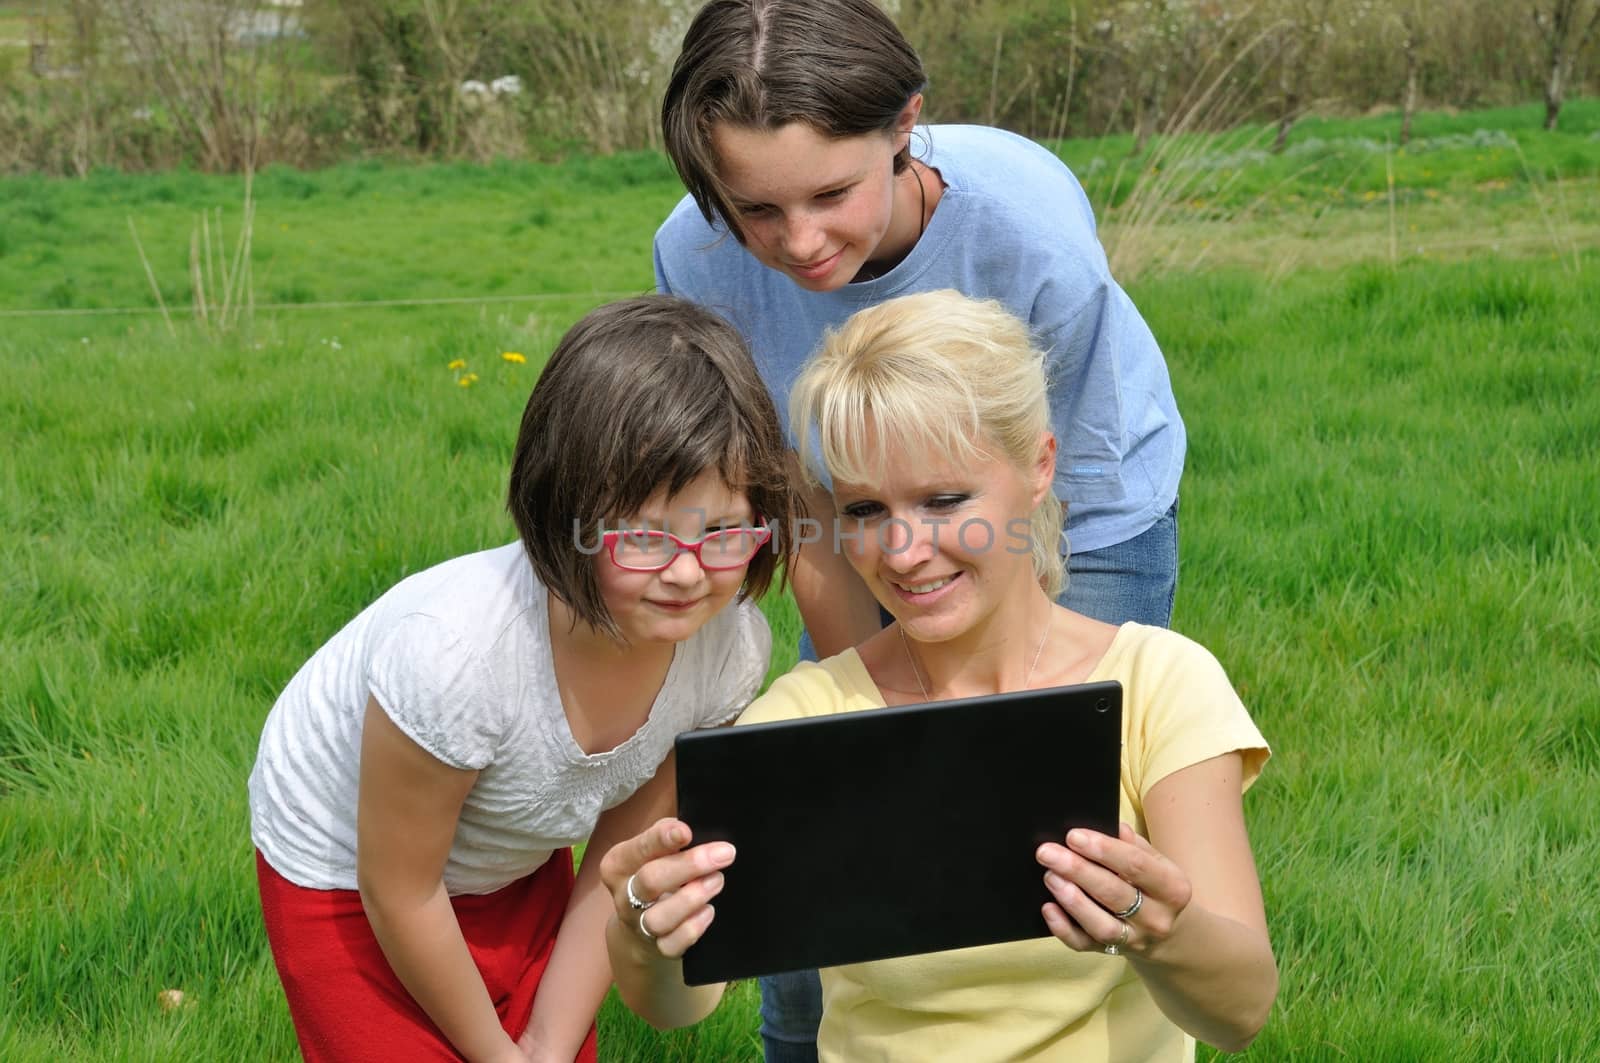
point(894, 831)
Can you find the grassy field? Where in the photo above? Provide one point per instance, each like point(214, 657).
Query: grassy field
point(1389, 538)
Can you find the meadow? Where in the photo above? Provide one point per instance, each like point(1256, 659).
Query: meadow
point(1389, 365)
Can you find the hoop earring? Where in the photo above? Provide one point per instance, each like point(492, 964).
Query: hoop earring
point(917, 133)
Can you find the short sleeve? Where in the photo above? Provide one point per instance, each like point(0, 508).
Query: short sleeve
point(438, 690)
point(839, 684)
point(744, 665)
point(663, 285)
point(786, 699)
point(1182, 711)
point(675, 249)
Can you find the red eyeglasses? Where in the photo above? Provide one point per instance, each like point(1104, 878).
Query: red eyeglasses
point(647, 550)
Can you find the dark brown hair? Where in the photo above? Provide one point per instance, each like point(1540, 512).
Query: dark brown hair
point(840, 66)
point(641, 395)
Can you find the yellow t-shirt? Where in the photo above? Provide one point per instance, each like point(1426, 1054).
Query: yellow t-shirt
point(1030, 1000)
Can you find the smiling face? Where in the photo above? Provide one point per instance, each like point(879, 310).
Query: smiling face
point(670, 605)
point(945, 545)
point(817, 208)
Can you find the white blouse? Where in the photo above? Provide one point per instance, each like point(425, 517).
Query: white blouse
point(459, 657)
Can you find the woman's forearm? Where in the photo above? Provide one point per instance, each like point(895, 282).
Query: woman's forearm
point(1214, 977)
point(424, 946)
point(835, 605)
point(652, 984)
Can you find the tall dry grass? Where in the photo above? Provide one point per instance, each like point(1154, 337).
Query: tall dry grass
point(221, 281)
point(124, 83)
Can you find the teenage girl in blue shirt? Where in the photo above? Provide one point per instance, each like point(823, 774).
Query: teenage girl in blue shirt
point(815, 191)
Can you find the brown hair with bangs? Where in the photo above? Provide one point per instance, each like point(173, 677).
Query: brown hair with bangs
point(840, 66)
point(641, 395)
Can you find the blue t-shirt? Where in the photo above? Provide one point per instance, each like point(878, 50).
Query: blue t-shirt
point(1013, 225)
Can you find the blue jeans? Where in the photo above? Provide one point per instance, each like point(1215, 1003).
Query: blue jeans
point(1136, 580)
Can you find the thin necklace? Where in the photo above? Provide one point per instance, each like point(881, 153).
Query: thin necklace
point(1026, 679)
point(922, 226)
point(922, 201)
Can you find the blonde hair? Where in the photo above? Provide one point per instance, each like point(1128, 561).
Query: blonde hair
point(937, 371)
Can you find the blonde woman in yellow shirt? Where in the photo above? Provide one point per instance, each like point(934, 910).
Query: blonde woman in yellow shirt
point(931, 420)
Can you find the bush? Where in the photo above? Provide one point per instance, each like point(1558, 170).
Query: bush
point(132, 89)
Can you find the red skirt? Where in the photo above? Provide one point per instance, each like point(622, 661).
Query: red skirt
point(347, 1003)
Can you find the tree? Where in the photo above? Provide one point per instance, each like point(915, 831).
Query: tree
point(1301, 34)
point(1565, 28)
point(1413, 22)
point(194, 58)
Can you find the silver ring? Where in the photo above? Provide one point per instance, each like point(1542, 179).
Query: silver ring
point(1126, 913)
point(644, 930)
point(633, 898)
point(1115, 948)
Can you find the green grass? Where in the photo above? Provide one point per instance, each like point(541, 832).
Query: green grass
point(361, 231)
point(1489, 182)
point(1344, 191)
point(1346, 157)
point(1389, 538)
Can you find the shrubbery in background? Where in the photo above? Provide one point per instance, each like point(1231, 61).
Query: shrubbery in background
point(234, 84)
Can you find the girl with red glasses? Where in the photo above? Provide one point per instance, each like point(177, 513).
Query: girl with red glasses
point(423, 778)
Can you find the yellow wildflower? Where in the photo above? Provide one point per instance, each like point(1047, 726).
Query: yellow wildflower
point(468, 379)
point(513, 357)
point(459, 363)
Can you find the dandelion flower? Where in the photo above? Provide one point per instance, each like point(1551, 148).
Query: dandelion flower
point(513, 357)
point(468, 379)
point(459, 363)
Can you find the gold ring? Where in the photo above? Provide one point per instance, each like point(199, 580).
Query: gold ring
point(1115, 948)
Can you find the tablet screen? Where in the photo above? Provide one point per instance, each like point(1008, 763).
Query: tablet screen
point(891, 832)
